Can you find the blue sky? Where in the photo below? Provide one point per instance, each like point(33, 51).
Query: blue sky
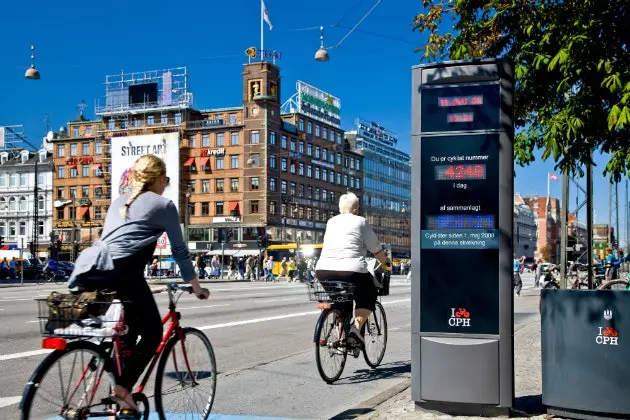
point(78, 43)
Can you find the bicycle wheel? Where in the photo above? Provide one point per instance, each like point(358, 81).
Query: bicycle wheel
point(330, 334)
point(186, 375)
point(614, 285)
point(375, 337)
point(41, 278)
point(59, 277)
point(71, 383)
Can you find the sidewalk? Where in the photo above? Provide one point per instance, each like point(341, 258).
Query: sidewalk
point(527, 372)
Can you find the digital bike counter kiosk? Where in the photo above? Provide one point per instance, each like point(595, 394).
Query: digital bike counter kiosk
point(462, 342)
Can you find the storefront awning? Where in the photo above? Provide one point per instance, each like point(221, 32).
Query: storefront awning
point(204, 161)
point(190, 162)
point(233, 206)
point(82, 211)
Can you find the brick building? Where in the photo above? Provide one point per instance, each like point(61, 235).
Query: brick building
point(548, 223)
point(236, 173)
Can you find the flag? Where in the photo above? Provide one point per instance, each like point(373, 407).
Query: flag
point(266, 15)
point(552, 177)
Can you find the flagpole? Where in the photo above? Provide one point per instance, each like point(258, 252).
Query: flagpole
point(262, 29)
point(548, 185)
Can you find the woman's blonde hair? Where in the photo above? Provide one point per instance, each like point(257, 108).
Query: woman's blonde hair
point(146, 170)
point(348, 203)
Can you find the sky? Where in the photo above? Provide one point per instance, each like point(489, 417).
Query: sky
point(78, 43)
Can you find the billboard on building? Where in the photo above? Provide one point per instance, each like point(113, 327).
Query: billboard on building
point(374, 131)
point(125, 151)
point(317, 104)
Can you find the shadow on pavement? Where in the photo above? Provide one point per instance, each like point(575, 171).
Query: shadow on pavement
point(529, 405)
point(386, 371)
point(352, 413)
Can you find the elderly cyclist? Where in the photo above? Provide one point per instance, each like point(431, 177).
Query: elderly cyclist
point(347, 238)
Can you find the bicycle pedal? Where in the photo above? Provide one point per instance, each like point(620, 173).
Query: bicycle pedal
point(128, 414)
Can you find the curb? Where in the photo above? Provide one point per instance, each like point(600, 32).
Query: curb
point(368, 405)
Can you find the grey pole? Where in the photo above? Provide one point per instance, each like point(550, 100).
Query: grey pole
point(589, 220)
point(565, 229)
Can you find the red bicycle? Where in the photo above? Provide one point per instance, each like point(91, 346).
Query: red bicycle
point(185, 381)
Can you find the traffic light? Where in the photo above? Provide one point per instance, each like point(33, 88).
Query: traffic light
point(262, 242)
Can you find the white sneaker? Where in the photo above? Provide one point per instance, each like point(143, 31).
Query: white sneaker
point(356, 334)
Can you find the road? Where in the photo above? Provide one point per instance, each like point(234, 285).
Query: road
point(262, 336)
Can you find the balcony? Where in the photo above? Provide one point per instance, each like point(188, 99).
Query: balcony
point(213, 123)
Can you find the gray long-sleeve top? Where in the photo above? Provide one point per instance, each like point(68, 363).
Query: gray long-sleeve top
point(150, 215)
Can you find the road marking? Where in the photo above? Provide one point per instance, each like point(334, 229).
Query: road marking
point(13, 300)
point(205, 306)
point(4, 357)
point(278, 300)
point(6, 401)
point(399, 327)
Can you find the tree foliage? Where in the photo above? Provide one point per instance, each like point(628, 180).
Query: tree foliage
point(572, 70)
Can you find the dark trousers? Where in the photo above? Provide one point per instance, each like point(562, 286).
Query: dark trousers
point(517, 283)
point(143, 319)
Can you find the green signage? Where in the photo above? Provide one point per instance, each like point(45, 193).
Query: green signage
point(318, 102)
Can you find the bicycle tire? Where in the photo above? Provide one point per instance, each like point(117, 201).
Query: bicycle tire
point(319, 343)
point(607, 285)
point(30, 391)
point(159, 375)
point(383, 331)
point(41, 278)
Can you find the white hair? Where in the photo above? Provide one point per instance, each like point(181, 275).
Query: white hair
point(348, 203)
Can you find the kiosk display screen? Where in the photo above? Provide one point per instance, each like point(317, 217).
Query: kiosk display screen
point(459, 195)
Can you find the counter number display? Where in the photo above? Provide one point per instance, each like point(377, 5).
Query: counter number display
point(460, 172)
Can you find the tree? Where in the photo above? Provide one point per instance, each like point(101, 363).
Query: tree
point(546, 253)
point(572, 70)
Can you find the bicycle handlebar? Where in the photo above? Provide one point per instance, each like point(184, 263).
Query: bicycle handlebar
point(173, 287)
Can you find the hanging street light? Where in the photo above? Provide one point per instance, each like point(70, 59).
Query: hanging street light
point(32, 73)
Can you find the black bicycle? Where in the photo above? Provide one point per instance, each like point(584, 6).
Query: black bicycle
point(331, 331)
point(50, 276)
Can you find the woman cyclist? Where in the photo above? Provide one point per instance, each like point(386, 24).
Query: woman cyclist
point(347, 238)
point(116, 261)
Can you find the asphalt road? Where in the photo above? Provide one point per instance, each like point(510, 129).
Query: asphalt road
point(262, 336)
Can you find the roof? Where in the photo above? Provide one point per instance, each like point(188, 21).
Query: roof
point(15, 160)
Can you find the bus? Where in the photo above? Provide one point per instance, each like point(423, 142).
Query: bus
point(280, 251)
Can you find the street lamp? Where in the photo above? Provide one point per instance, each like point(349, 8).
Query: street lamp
point(32, 73)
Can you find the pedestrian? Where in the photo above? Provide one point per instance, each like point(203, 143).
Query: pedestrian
point(200, 263)
point(4, 268)
point(269, 268)
point(517, 282)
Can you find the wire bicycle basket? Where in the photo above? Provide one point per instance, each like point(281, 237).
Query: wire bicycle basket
point(78, 315)
point(332, 291)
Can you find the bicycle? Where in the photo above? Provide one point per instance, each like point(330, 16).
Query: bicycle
point(332, 328)
point(104, 362)
point(49, 276)
point(617, 284)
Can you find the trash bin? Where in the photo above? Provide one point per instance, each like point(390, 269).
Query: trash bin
point(585, 339)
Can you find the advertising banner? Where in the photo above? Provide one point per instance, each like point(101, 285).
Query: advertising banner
point(318, 104)
point(126, 150)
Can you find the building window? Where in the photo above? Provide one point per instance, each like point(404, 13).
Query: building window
point(75, 132)
point(191, 209)
point(73, 192)
point(272, 138)
point(205, 140)
point(22, 228)
point(205, 185)
point(325, 133)
point(218, 208)
point(219, 164)
point(292, 168)
point(12, 229)
point(232, 118)
point(316, 130)
point(85, 170)
point(234, 161)
point(178, 118)
point(137, 122)
point(41, 203)
point(358, 184)
point(3, 180)
point(284, 165)
point(309, 171)
point(234, 184)
point(164, 119)
point(220, 139)
point(151, 119)
point(284, 142)
point(74, 172)
point(301, 190)
point(73, 149)
point(191, 140)
point(324, 155)
point(351, 182)
point(111, 125)
point(338, 138)
point(23, 180)
point(220, 185)
point(272, 207)
point(98, 147)
point(338, 178)
point(40, 227)
point(317, 152)
point(345, 180)
point(301, 124)
point(41, 179)
point(253, 207)
point(98, 192)
point(309, 213)
point(338, 158)
point(332, 177)
point(293, 186)
point(86, 149)
point(61, 213)
point(324, 175)
point(301, 148)
point(85, 191)
point(283, 210)
point(192, 184)
point(293, 145)
point(332, 197)
point(254, 183)
point(272, 184)
point(97, 213)
point(309, 192)
point(60, 193)
point(234, 138)
point(254, 137)
point(317, 172)
point(309, 127)
point(272, 162)
point(332, 136)
point(61, 172)
point(205, 209)
point(22, 203)
point(301, 170)
point(72, 212)
point(317, 193)
point(61, 150)
point(283, 187)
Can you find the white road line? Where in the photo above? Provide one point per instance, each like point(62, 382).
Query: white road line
point(13, 300)
point(279, 300)
point(399, 327)
point(7, 401)
point(205, 306)
point(4, 357)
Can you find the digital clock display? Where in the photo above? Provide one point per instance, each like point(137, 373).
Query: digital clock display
point(460, 172)
point(461, 221)
point(460, 100)
point(460, 117)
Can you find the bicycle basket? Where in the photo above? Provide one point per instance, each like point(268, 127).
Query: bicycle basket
point(331, 291)
point(86, 314)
